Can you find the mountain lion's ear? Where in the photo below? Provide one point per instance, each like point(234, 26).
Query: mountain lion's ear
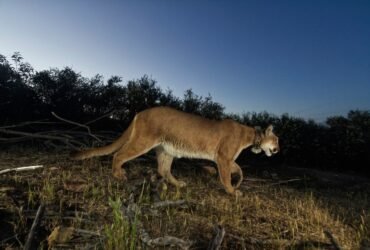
point(269, 130)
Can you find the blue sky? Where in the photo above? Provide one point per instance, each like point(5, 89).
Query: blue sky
point(307, 58)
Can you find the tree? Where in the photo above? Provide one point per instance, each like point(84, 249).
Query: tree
point(191, 102)
point(16, 98)
point(211, 109)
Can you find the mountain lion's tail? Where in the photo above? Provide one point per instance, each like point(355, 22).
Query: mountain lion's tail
point(81, 155)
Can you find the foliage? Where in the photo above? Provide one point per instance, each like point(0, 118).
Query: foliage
point(341, 143)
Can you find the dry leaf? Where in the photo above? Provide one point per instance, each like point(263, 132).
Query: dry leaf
point(60, 235)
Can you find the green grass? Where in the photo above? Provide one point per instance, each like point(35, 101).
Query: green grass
point(120, 234)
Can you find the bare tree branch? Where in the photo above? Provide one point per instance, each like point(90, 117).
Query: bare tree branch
point(77, 124)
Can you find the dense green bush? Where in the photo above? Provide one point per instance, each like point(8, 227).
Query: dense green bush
point(342, 143)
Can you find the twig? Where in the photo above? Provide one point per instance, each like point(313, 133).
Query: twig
point(7, 239)
point(39, 136)
point(35, 223)
point(35, 135)
point(242, 240)
point(87, 232)
point(131, 213)
point(283, 182)
point(168, 203)
point(249, 188)
point(254, 179)
point(101, 117)
point(255, 241)
point(21, 169)
point(168, 241)
point(77, 124)
point(27, 123)
point(332, 239)
point(216, 242)
point(13, 140)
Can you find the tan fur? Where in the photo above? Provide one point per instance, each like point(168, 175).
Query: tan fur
point(173, 133)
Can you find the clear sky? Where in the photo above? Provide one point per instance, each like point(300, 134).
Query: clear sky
point(308, 58)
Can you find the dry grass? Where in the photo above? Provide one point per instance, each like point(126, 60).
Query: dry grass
point(85, 197)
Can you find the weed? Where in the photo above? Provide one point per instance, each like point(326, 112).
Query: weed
point(363, 231)
point(31, 196)
point(120, 234)
point(48, 190)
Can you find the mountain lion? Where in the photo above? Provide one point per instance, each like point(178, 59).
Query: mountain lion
point(173, 133)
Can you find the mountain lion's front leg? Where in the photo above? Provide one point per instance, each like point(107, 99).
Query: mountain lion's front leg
point(224, 168)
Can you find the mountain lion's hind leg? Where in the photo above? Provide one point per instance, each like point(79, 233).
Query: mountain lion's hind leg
point(129, 151)
point(164, 167)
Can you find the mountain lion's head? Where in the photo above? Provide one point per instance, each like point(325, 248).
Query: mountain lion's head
point(268, 142)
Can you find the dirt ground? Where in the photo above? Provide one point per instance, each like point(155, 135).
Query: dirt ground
point(83, 207)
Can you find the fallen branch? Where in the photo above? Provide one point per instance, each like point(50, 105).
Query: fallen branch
point(332, 239)
point(34, 135)
point(15, 139)
point(77, 124)
point(65, 140)
point(21, 169)
point(216, 242)
point(35, 223)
